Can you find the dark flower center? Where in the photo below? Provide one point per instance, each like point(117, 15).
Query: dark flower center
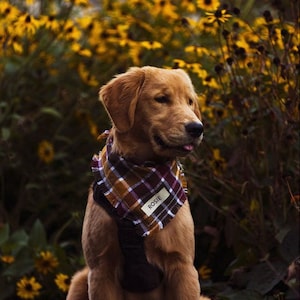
point(27, 19)
point(218, 14)
point(28, 287)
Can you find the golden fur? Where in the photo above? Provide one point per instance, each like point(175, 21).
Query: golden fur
point(149, 108)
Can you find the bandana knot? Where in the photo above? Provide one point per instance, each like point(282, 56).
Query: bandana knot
point(149, 197)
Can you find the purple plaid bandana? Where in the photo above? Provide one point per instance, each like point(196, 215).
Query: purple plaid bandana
point(148, 196)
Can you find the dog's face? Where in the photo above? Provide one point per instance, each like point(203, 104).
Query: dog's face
point(154, 110)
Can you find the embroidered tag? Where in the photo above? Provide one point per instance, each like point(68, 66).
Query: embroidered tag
point(154, 202)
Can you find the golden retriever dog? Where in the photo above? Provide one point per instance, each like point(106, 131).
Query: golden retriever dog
point(155, 119)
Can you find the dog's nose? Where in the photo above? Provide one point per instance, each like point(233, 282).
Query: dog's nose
point(194, 129)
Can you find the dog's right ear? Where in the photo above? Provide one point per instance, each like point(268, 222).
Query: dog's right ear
point(120, 95)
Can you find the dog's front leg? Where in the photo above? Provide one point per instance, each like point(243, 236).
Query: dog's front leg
point(102, 285)
point(102, 253)
point(182, 283)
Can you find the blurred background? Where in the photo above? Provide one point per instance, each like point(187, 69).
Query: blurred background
point(243, 58)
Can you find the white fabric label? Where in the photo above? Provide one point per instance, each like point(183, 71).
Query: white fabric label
point(154, 202)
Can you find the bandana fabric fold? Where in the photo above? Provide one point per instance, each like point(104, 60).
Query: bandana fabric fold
point(150, 197)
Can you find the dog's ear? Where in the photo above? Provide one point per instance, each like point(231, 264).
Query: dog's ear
point(120, 95)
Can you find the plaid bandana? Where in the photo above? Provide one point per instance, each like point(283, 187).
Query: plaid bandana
point(148, 196)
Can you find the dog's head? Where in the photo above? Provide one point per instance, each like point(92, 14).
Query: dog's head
point(154, 112)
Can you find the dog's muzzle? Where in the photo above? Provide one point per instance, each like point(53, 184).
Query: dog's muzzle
point(194, 129)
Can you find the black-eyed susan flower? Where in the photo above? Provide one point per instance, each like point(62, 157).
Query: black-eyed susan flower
point(8, 259)
point(188, 5)
point(28, 288)
point(218, 162)
point(78, 2)
point(204, 26)
point(62, 281)
point(77, 48)
point(165, 8)
point(208, 5)
point(93, 128)
point(46, 262)
point(204, 272)
point(26, 23)
point(211, 82)
point(200, 51)
point(151, 45)
point(46, 151)
point(8, 11)
point(86, 76)
point(219, 16)
point(179, 63)
point(70, 31)
point(50, 22)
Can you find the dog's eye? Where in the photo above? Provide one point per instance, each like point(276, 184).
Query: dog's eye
point(162, 99)
point(191, 102)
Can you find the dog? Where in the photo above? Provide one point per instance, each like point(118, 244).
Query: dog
point(155, 120)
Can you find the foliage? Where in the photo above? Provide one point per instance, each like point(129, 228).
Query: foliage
point(244, 178)
point(29, 254)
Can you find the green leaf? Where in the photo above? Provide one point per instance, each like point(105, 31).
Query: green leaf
point(37, 237)
point(238, 295)
point(51, 111)
point(4, 233)
point(264, 277)
point(19, 237)
point(282, 234)
point(289, 247)
point(5, 133)
point(20, 267)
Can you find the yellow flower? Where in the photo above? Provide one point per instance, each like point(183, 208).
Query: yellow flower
point(134, 53)
point(204, 26)
point(76, 47)
point(151, 45)
point(208, 4)
point(79, 2)
point(28, 288)
point(179, 63)
point(199, 51)
point(218, 162)
point(188, 5)
point(86, 76)
point(8, 12)
point(254, 205)
point(165, 8)
point(8, 259)
point(204, 272)
point(46, 151)
point(62, 281)
point(26, 24)
point(211, 82)
point(219, 16)
point(46, 262)
point(70, 31)
point(93, 128)
point(51, 23)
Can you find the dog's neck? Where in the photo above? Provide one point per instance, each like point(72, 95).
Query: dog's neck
point(137, 151)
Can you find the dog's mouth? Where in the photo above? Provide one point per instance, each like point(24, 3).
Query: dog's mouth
point(184, 148)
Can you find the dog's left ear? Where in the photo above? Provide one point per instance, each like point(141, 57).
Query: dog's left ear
point(120, 95)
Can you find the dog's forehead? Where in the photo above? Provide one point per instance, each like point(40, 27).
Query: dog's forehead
point(168, 80)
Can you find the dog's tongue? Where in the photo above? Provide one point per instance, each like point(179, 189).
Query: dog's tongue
point(188, 147)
